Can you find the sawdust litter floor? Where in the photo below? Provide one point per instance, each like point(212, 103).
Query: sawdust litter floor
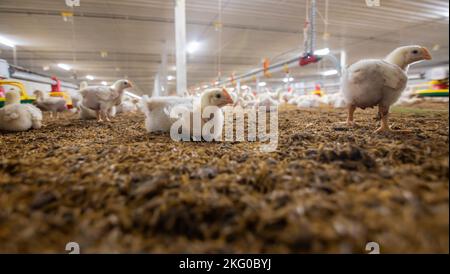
point(115, 188)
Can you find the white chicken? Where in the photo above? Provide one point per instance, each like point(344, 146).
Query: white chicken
point(157, 109)
point(48, 103)
point(88, 114)
point(374, 82)
point(77, 98)
point(15, 116)
point(127, 106)
point(266, 100)
point(308, 101)
point(102, 98)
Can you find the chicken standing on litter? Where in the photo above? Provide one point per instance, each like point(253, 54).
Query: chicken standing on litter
point(374, 82)
point(102, 98)
point(157, 109)
point(48, 103)
point(15, 116)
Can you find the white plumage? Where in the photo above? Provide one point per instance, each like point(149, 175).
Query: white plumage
point(157, 109)
point(48, 103)
point(102, 98)
point(373, 82)
point(15, 116)
point(266, 100)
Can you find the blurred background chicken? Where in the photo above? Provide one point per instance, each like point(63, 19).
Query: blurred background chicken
point(15, 116)
point(102, 99)
point(48, 103)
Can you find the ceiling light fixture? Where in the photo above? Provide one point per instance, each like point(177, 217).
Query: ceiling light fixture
point(90, 77)
point(192, 47)
point(330, 72)
point(7, 42)
point(64, 66)
point(321, 52)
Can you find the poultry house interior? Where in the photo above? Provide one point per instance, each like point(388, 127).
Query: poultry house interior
point(224, 126)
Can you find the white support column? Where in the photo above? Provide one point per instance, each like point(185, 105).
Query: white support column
point(156, 86)
point(163, 72)
point(258, 88)
point(343, 61)
point(15, 56)
point(180, 40)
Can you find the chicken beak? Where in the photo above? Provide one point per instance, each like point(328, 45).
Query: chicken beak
point(426, 53)
point(228, 98)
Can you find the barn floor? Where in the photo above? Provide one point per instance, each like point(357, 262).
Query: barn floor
point(114, 188)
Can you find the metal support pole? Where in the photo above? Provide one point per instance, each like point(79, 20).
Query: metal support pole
point(14, 56)
point(257, 85)
point(312, 27)
point(163, 71)
point(343, 62)
point(156, 86)
point(180, 41)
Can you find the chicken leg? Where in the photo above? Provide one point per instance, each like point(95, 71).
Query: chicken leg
point(107, 116)
point(351, 111)
point(99, 116)
point(384, 113)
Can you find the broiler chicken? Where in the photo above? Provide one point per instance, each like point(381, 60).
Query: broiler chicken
point(158, 109)
point(15, 116)
point(102, 98)
point(48, 103)
point(375, 82)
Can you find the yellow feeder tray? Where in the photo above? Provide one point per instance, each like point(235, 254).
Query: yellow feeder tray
point(432, 93)
point(24, 98)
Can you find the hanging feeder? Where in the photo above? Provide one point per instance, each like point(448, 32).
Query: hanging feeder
point(266, 65)
point(67, 16)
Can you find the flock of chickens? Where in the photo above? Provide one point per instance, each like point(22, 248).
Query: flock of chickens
point(366, 83)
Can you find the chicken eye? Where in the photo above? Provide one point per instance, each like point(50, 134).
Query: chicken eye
point(218, 96)
point(415, 51)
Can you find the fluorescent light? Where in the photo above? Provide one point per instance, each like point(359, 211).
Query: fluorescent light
point(216, 82)
point(193, 47)
point(324, 51)
point(7, 42)
point(330, 72)
point(170, 77)
point(286, 79)
point(414, 77)
point(262, 84)
point(64, 66)
point(132, 95)
point(45, 68)
point(90, 77)
point(205, 86)
point(244, 87)
point(104, 83)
